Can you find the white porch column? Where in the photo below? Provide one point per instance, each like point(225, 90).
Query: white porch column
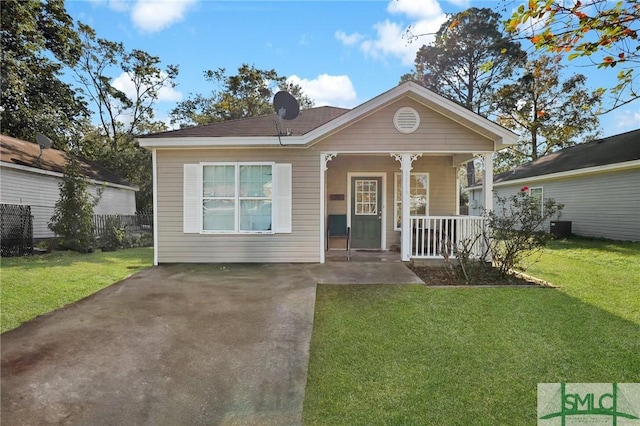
point(405, 166)
point(487, 181)
point(325, 157)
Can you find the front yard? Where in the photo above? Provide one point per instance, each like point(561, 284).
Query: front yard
point(35, 285)
point(417, 355)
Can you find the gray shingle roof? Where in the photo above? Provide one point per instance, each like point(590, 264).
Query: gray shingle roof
point(264, 125)
point(601, 152)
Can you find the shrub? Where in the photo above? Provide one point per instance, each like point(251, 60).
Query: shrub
point(113, 236)
point(72, 218)
point(516, 228)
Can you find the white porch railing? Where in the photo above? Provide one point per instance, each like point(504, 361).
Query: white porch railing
point(437, 236)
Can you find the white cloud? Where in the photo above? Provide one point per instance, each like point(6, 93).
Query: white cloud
point(155, 15)
point(460, 3)
point(415, 9)
point(334, 90)
point(166, 94)
point(348, 39)
point(390, 39)
point(119, 5)
point(626, 119)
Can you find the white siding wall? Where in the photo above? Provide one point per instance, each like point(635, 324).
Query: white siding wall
point(41, 193)
point(605, 205)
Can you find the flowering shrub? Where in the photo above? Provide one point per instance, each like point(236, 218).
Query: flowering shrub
point(516, 228)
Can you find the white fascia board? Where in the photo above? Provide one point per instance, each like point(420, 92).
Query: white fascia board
point(35, 170)
point(627, 165)
point(226, 142)
point(501, 136)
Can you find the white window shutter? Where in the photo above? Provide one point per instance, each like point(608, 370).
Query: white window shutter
point(282, 198)
point(191, 199)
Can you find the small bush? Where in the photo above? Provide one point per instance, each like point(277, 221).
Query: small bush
point(516, 228)
point(114, 235)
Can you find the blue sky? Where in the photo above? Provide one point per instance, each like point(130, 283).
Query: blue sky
point(342, 53)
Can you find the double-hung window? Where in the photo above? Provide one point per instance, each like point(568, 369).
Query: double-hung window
point(536, 194)
point(237, 197)
point(418, 197)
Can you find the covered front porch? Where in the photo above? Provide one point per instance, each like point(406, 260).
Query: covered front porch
point(401, 206)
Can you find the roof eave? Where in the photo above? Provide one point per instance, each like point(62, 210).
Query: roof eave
point(500, 136)
point(221, 142)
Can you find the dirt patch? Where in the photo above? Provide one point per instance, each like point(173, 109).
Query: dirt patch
point(478, 276)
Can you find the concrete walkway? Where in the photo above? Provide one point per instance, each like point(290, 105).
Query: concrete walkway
point(176, 344)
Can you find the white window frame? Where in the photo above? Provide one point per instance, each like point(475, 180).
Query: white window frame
point(237, 198)
point(398, 202)
point(541, 197)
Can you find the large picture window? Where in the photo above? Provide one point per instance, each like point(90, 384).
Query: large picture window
point(237, 197)
point(418, 196)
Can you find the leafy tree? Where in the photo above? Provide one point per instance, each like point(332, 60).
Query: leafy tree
point(121, 115)
point(550, 114)
point(603, 32)
point(38, 41)
point(72, 218)
point(468, 59)
point(247, 94)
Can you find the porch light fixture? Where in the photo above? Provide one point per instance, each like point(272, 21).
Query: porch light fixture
point(406, 120)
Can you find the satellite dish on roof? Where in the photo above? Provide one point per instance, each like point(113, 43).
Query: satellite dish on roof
point(43, 141)
point(286, 105)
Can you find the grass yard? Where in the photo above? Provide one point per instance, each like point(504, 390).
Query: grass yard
point(406, 355)
point(34, 285)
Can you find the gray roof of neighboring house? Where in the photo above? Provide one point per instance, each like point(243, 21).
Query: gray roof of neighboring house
point(264, 125)
point(28, 154)
point(601, 152)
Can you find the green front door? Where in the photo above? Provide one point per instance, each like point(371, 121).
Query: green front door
point(366, 212)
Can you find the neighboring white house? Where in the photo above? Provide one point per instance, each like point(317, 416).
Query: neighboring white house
point(30, 177)
point(243, 191)
point(598, 182)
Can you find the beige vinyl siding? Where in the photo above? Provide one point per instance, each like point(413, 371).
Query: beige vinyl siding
point(442, 186)
point(376, 132)
point(301, 245)
point(605, 205)
point(41, 192)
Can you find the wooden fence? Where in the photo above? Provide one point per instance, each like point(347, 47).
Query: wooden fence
point(137, 223)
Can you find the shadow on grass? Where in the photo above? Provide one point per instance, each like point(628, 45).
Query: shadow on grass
point(414, 355)
point(69, 258)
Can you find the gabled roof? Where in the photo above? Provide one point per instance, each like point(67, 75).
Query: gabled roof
point(612, 150)
point(315, 124)
point(264, 125)
point(25, 155)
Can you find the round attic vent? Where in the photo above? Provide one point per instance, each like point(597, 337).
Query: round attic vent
point(406, 120)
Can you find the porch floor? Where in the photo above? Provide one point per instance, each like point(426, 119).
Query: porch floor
point(362, 255)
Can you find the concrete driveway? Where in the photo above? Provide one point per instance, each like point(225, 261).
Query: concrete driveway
point(177, 344)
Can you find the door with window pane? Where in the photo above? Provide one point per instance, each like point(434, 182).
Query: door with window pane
point(366, 212)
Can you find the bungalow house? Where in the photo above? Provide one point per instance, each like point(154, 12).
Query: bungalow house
point(598, 182)
point(255, 190)
point(31, 175)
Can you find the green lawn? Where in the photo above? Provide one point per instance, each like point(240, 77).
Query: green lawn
point(406, 355)
point(34, 285)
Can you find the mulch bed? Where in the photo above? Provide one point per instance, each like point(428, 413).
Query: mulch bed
point(480, 276)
